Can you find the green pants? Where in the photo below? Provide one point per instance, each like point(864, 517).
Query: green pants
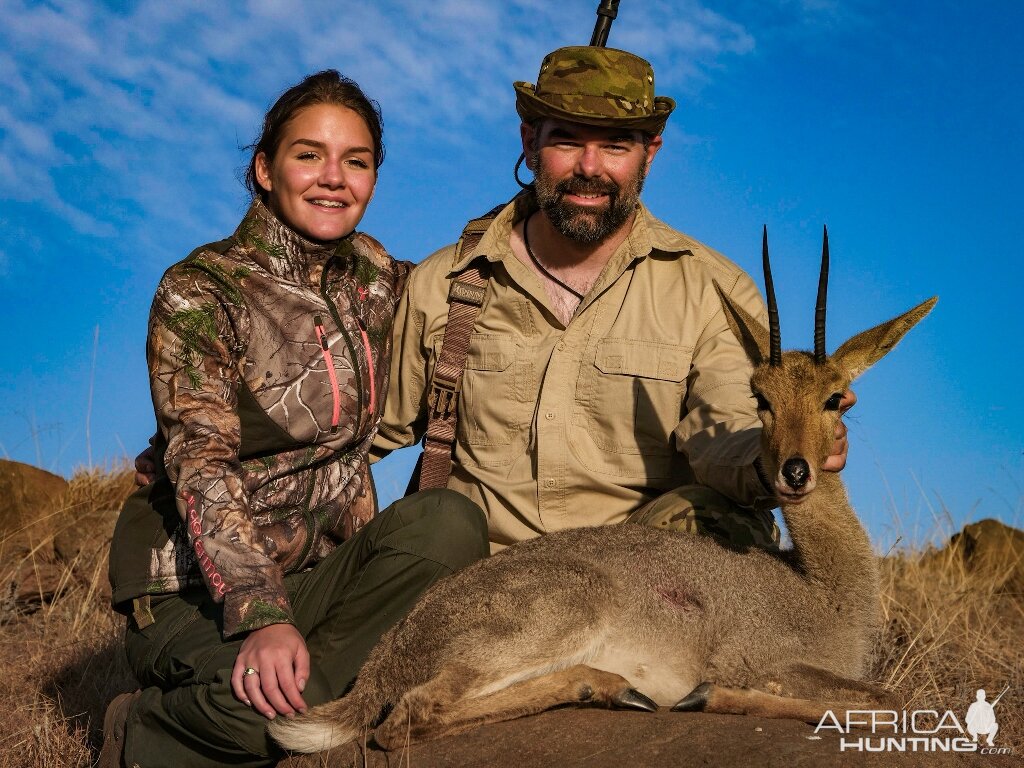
point(699, 509)
point(187, 714)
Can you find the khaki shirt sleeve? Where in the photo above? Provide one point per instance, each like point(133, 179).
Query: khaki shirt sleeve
point(404, 422)
point(720, 433)
point(192, 352)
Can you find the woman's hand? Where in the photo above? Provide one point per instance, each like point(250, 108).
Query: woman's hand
point(278, 654)
point(841, 446)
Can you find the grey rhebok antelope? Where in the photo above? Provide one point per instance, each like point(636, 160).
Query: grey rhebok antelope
point(598, 615)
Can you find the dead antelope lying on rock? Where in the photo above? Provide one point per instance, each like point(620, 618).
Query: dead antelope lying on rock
point(631, 616)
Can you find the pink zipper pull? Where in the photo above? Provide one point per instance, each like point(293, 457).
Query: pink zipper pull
point(325, 349)
point(369, 363)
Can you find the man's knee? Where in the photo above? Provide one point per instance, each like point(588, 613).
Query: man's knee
point(702, 510)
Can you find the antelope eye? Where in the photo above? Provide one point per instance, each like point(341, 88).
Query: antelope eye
point(832, 404)
point(762, 403)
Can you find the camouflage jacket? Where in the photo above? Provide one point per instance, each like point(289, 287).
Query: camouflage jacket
point(268, 360)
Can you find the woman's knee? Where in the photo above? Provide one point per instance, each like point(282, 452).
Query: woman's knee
point(454, 523)
point(462, 518)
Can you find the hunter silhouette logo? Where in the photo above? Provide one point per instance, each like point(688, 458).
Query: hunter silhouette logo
point(920, 730)
point(981, 717)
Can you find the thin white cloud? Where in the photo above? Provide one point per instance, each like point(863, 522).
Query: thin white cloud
point(27, 137)
point(144, 100)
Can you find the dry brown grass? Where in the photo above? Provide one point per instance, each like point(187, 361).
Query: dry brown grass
point(61, 658)
point(951, 630)
point(948, 632)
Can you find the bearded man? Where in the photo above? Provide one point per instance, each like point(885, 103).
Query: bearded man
point(601, 382)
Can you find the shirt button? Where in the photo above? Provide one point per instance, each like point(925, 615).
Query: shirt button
point(550, 482)
point(560, 346)
point(550, 415)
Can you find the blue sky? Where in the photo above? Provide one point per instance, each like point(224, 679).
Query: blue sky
point(897, 124)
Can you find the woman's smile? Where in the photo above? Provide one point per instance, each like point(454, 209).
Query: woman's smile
point(322, 174)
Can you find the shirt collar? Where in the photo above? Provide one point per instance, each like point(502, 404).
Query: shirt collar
point(647, 234)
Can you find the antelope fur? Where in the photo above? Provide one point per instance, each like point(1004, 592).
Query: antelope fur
point(596, 615)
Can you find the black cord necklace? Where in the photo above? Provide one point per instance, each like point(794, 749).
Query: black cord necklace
point(541, 267)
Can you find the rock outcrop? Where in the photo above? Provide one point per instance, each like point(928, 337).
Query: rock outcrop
point(48, 525)
point(993, 549)
point(29, 500)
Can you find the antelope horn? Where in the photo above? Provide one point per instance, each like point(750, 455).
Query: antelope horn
point(819, 307)
point(774, 334)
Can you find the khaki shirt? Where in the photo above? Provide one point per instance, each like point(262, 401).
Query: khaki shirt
point(645, 390)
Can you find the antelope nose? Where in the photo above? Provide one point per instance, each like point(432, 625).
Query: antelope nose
point(796, 472)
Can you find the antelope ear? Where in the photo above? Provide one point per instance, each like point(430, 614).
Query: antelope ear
point(868, 347)
point(751, 335)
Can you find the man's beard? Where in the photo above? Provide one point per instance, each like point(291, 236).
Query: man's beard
point(582, 224)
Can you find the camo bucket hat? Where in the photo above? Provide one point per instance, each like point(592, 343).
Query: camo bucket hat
point(595, 86)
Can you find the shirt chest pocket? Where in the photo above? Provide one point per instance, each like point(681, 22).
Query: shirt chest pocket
point(631, 399)
point(494, 410)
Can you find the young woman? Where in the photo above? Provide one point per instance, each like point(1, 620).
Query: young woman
point(254, 571)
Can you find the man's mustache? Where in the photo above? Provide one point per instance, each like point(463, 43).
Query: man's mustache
point(577, 186)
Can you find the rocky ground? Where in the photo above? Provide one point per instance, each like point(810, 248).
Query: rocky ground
point(574, 738)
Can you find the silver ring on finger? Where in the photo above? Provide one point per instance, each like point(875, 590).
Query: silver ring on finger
point(250, 671)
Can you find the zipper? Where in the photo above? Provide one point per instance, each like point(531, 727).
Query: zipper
point(333, 309)
point(325, 350)
point(369, 362)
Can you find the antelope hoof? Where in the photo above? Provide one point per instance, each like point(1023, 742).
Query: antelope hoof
point(633, 699)
point(695, 701)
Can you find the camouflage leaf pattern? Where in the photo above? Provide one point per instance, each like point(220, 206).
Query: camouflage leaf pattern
point(595, 86)
point(267, 455)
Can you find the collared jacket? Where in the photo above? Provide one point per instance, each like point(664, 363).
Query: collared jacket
point(646, 388)
point(268, 362)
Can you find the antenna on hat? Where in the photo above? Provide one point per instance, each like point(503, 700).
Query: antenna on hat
point(606, 13)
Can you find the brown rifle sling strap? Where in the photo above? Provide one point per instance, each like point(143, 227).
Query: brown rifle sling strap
point(465, 297)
